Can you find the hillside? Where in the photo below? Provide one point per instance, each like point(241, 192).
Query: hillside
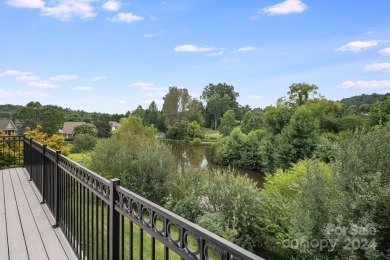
point(7, 110)
point(363, 102)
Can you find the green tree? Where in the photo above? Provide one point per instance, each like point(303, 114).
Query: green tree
point(300, 93)
point(144, 165)
point(152, 114)
point(139, 112)
point(219, 98)
point(88, 129)
point(217, 106)
point(177, 131)
point(379, 112)
point(298, 140)
point(103, 129)
point(276, 118)
point(195, 111)
point(175, 106)
point(251, 121)
point(83, 143)
point(195, 130)
point(228, 121)
point(50, 117)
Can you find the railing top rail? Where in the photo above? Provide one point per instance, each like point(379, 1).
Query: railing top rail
point(181, 222)
point(94, 182)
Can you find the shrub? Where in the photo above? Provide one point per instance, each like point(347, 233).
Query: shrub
point(83, 143)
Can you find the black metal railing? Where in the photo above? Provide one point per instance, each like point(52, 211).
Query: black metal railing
point(103, 220)
point(11, 151)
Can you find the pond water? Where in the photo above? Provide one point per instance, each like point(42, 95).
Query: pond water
point(199, 156)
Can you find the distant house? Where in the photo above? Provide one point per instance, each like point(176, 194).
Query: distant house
point(114, 125)
point(67, 130)
point(7, 126)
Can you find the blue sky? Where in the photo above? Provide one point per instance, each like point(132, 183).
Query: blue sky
point(111, 56)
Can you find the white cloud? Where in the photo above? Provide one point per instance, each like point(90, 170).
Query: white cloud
point(255, 97)
point(378, 67)
point(357, 46)
point(68, 9)
point(286, 7)
point(122, 102)
point(90, 99)
point(152, 35)
point(148, 86)
point(254, 18)
point(17, 73)
point(96, 79)
point(112, 5)
point(386, 90)
point(83, 88)
point(42, 84)
point(366, 84)
point(27, 78)
point(191, 48)
point(211, 54)
point(21, 94)
point(385, 51)
point(126, 18)
point(142, 84)
point(246, 49)
point(26, 3)
point(64, 77)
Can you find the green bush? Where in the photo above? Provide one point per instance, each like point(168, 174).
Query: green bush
point(83, 143)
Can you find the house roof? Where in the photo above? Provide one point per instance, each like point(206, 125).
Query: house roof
point(69, 127)
point(113, 123)
point(7, 124)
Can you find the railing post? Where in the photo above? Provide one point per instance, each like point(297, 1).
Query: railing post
point(30, 159)
point(43, 176)
point(56, 190)
point(114, 222)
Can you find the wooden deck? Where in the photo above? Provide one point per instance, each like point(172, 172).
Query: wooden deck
point(26, 230)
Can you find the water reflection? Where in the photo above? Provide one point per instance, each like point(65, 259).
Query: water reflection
point(199, 156)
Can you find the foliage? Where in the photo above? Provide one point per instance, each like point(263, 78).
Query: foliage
point(251, 121)
point(380, 112)
point(194, 130)
point(298, 140)
point(88, 129)
point(276, 118)
point(10, 153)
point(103, 129)
point(195, 111)
point(228, 121)
point(133, 154)
point(238, 149)
point(54, 142)
point(51, 118)
point(299, 94)
point(229, 204)
point(363, 102)
point(175, 106)
point(83, 143)
point(178, 131)
point(219, 99)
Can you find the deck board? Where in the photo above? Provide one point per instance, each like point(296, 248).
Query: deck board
point(36, 249)
point(16, 243)
point(3, 223)
point(25, 230)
